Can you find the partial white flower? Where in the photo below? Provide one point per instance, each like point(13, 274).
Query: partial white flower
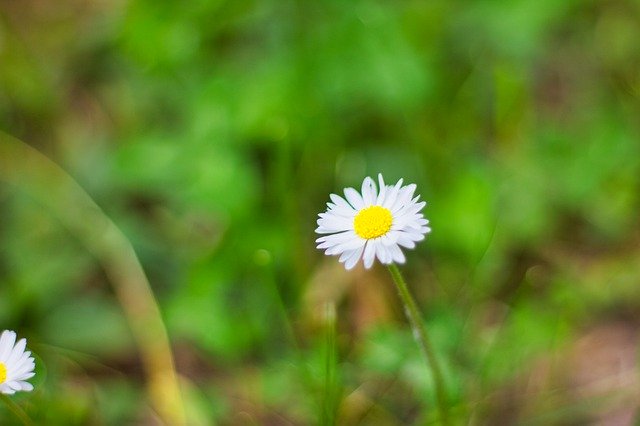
point(16, 364)
point(370, 224)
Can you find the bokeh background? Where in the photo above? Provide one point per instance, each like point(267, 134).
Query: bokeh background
point(211, 133)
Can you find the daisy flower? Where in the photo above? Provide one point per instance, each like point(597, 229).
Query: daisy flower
point(372, 224)
point(16, 364)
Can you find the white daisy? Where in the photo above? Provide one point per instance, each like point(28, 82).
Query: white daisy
point(372, 224)
point(16, 364)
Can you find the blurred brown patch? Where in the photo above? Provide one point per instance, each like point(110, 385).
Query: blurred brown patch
point(593, 382)
point(364, 298)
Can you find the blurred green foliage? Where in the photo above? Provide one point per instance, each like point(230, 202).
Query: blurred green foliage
point(212, 133)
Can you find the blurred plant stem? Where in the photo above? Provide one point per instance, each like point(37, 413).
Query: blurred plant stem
point(331, 391)
point(422, 339)
point(17, 410)
point(46, 182)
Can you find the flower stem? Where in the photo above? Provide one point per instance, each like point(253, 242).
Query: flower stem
point(17, 410)
point(422, 339)
point(331, 391)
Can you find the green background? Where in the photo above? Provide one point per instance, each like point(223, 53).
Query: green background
point(212, 133)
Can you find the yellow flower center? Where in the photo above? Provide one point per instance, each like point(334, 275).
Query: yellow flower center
point(3, 373)
point(372, 222)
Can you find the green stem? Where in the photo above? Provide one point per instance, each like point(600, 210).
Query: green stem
point(330, 401)
point(422, 339)
point(17, 410)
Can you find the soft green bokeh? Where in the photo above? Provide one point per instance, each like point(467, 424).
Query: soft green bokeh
point(212, 132)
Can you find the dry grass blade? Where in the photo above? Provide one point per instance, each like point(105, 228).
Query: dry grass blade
point(46, 182)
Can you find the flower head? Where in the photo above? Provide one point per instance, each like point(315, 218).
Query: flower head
point(16, 364)
point(372, 224)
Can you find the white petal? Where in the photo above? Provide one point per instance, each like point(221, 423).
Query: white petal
point(410, 208)
point(345, 255)
point(340, 202)
point(25, 386)
point(414, 235)
point(399, 223)
point(22, 361)
point(404, 197)
point(396, 253)
point(353, 259)
point(383, 190)
point(369, 254)
point(343, 212)
point(329, 240)
point(24, 376)
point(381, 253)
point(392, 194)
point(369, 191)
point(331, 224)
point(6, 389)
point(17, 352)
point(346, 246)
point(405, 241)
point(7, 341)
point(14, 385)
point(354, 198)
point(389, 238)
point(23, 370)
point(407, 223)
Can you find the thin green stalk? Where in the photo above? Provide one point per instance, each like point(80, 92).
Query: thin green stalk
point(422, 339)
point(17, 410)
point(330, 397)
